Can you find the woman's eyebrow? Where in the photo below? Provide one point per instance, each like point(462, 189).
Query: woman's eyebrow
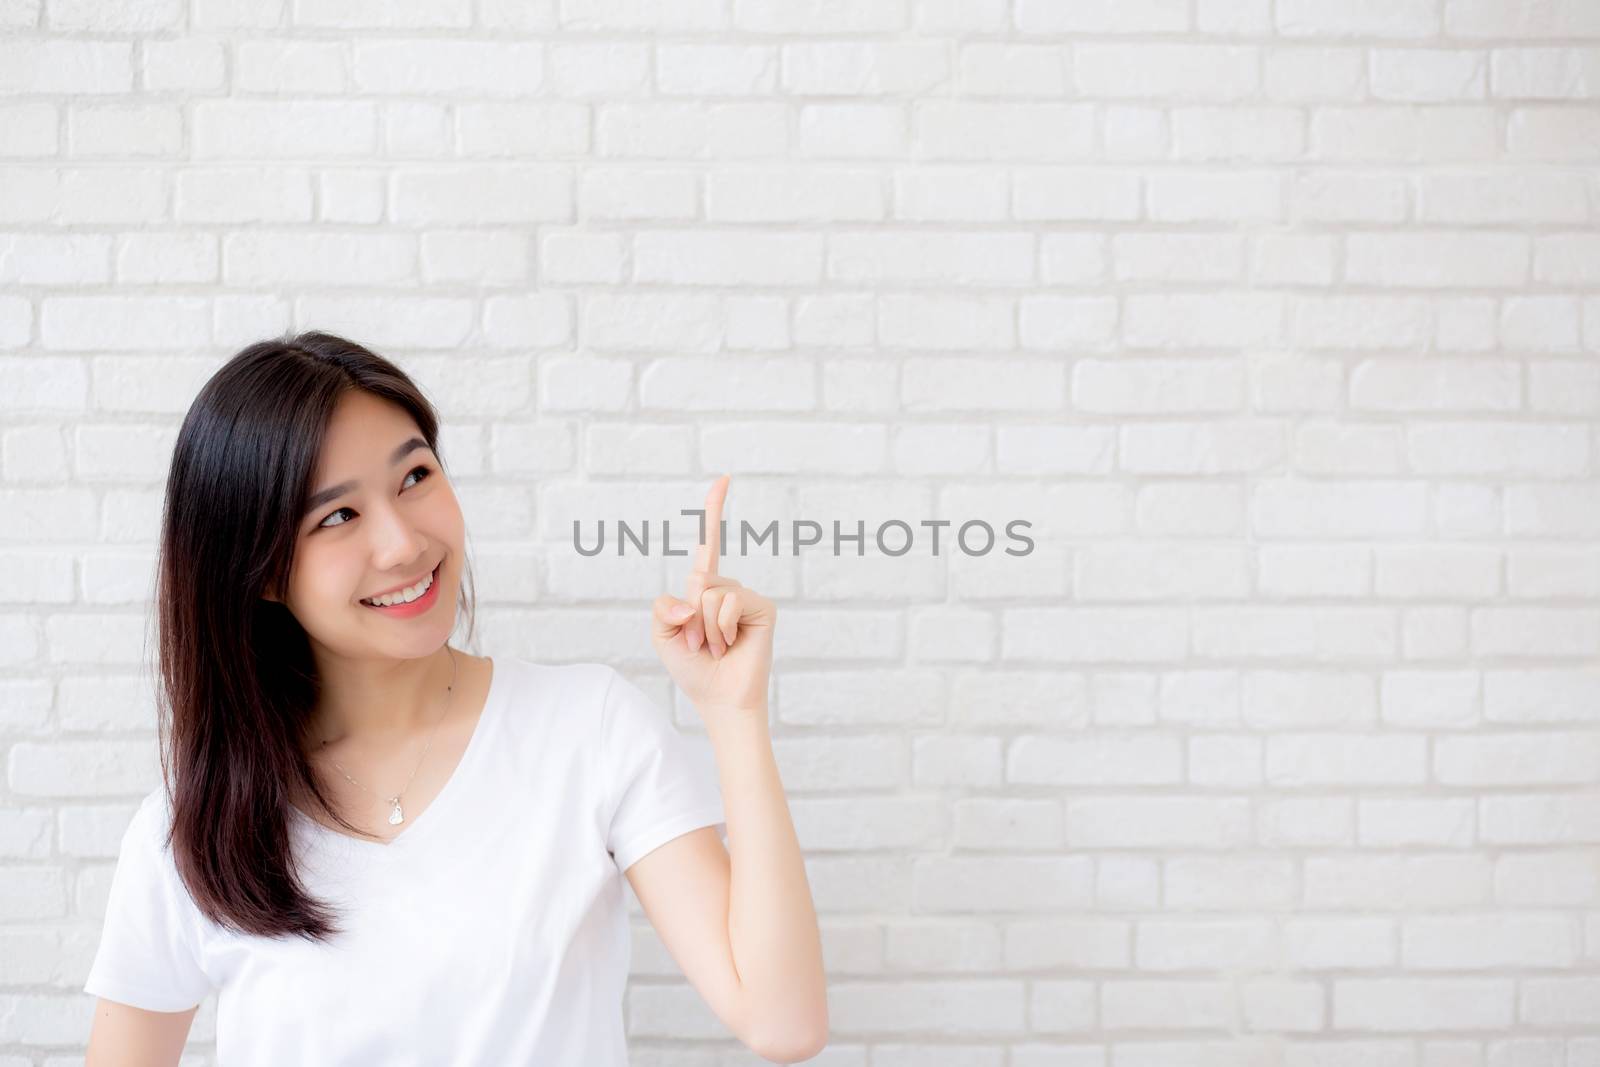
point(322, 496)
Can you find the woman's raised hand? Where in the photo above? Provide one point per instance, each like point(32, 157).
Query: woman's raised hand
point(716, 641)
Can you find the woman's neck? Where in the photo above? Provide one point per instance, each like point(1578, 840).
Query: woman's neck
point(383, 704)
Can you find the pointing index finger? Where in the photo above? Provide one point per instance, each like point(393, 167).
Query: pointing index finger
point(706, 555)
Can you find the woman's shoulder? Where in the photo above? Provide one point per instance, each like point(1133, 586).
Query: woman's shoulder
point(533, 692)
point(145, 836)
point(153, 816)
point(534, 677)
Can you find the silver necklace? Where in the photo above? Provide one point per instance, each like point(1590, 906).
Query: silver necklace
point(397, 816)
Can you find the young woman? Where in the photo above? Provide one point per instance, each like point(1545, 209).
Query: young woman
point(380, 849)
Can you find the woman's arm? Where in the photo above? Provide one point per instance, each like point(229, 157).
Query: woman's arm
point(717, 645)
point(772, 923)
point(125, 1036)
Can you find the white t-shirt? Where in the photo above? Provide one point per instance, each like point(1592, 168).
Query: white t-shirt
point(494, 930)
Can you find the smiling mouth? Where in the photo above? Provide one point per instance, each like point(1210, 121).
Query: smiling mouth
point(428, 581)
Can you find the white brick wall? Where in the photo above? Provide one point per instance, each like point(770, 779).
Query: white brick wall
point(1280, 320)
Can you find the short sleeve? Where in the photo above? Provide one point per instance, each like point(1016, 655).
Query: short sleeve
point(148, 955)
point(658, 783)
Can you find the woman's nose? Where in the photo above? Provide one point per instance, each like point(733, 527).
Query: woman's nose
point(398, 540)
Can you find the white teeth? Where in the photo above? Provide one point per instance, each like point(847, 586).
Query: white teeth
point(404, 596)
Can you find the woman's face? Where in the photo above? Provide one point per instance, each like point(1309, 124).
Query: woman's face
point(393, 520)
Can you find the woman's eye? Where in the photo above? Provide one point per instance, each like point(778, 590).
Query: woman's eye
point(325, 525)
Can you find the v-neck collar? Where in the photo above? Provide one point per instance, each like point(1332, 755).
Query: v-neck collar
point(439, 808)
